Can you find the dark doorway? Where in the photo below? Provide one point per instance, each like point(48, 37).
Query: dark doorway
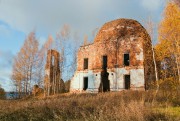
point(104, 62)
point(105, 81)
point(127, 81)
point(85, 83)
point(105, 84)
point(85, 63)
point(126, 59)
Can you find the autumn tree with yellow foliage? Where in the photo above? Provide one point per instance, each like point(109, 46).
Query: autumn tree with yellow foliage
point(168, 47)
point(25, 64)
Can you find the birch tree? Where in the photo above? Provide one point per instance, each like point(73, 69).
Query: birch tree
point(42, 56)
point(169, 33)
point(150, 27)
point(25, 65)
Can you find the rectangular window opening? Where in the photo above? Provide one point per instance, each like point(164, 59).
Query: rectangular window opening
point(126, 59)
point(85, 83)
point(85, 63)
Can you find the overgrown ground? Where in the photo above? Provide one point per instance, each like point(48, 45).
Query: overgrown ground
point(123, 106)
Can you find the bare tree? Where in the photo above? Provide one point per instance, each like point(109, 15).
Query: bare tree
point(25, 65)
point(42, 55)
point(62, 44)
point(177, 2)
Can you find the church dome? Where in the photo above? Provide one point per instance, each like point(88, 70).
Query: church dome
point(120, 28)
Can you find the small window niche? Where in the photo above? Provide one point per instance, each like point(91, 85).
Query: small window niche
point(126, 59)
point(85, 86)
point(53, 60)
point(85, 63)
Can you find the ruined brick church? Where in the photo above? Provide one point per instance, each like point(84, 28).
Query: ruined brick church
point(119, 58)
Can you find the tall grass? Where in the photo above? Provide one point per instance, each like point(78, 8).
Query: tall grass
point(121, 106)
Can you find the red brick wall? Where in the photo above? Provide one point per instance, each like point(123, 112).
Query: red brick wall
point(111, 48)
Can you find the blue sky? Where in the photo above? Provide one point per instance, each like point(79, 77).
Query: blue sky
point(19, 17)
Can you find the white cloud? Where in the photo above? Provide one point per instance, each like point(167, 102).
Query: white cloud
point(42, 40)
point(151, 5)
point(6, 84)
point(25, 15)
point(84, 15)
point(4, 30)
point(6, 58)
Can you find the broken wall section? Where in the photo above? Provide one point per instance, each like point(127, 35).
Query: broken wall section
point(52, 80)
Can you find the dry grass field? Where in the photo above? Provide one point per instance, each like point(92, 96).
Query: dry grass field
point(110, 106)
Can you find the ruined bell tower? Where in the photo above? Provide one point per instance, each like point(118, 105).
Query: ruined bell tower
point(52, 73)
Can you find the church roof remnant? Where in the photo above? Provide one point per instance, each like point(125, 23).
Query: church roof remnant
point(120, 28)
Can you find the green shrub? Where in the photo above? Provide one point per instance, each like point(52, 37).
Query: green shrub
point(2, 93)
